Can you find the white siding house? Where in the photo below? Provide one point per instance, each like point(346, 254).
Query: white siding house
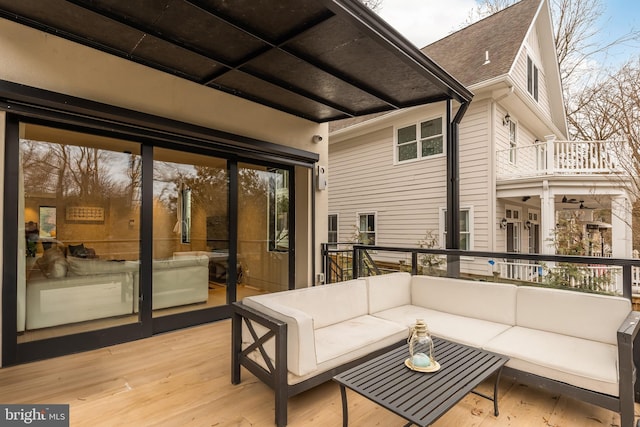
point(514, 171)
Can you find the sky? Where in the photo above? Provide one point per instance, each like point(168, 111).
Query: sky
point(425, 21)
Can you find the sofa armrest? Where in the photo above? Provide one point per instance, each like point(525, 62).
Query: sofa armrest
point(301, 350)
point(627, 333)
point(275, 375)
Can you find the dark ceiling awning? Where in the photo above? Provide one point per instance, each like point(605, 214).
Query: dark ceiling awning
point(318, 59)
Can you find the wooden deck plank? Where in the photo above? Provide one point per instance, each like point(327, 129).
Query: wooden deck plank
point(183, 379)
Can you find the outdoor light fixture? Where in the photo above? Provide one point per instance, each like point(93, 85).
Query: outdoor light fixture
point(506, 120)
point(421, 349)
point(503, 223)
point(527, 225)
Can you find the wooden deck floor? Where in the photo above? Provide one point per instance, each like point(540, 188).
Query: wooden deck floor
point(183, 379)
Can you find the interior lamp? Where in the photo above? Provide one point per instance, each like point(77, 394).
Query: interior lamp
point(421, 349)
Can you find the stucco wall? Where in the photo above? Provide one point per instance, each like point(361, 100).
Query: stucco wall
point(45, 61)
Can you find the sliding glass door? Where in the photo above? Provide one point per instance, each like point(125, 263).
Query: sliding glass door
point(264, 229)
point(190, 232)
point(79, 238)
point(119, 239)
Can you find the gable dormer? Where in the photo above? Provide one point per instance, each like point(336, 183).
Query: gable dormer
point(513, 48)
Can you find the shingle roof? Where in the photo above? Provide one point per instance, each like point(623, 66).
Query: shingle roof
point(462, 53)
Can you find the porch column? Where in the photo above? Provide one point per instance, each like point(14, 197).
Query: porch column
point(547, 219)
point(621, 241)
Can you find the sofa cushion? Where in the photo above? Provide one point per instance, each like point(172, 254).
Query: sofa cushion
point(53, 264)
point(465, 330)
point(584, 363)
point(578, 314)
point(179, 262)
point(355, 337)
point(78, 250)
point(90, 267)
point(494, 302)
point(388, 290)
point(326, 304)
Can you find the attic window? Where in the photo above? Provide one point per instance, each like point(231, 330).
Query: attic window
point(532, 78)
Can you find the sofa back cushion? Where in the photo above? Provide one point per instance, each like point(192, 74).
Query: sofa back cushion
point(388, 291)
point(578, 314)
point(91, 267)
point(326, 304)
point(494, 302)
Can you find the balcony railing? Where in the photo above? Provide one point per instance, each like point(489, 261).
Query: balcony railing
point(619, 276)
point(561, 158)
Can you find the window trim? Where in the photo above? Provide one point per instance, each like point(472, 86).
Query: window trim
point(418, 141)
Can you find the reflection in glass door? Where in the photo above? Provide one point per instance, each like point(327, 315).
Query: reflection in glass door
point(263, 229)
point(79, 240)
point(190, 232)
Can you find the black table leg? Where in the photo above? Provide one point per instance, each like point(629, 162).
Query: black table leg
point(345, 408)
point(495, 393)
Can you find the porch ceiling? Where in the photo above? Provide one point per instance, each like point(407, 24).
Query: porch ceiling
point(321, 60)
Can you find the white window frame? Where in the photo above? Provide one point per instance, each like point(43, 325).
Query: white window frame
point(470, 232)
point(419, 140)
point(533, 78)
point(375, 226)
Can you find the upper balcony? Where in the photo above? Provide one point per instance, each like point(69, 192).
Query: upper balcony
point(554, 158)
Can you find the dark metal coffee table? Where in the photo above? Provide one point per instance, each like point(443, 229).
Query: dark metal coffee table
point(422, 398)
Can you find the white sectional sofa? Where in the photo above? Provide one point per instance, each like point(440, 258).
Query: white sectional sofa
point(569, 342)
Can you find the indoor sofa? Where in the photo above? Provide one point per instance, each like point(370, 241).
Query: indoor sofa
point(569, 342)
point(90, 289)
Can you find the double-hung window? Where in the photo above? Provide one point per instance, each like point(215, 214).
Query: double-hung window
point(466, 218)
point(532, 78)
point(420, 140)
point(367, 228)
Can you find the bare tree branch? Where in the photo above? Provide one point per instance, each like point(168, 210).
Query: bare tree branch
point(374, 5)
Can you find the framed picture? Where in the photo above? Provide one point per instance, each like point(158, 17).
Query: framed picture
point(48, 223)
point(84, 214)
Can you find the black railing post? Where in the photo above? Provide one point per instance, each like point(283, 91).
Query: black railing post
point(414, 263)
point(626, 281)
point(355, 263)
point(324, 250)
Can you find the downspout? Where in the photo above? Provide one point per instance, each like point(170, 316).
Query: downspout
point(453, 187)
point(313, 224)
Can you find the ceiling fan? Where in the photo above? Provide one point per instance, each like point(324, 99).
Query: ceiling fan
point(566, 200)
point(575, 202)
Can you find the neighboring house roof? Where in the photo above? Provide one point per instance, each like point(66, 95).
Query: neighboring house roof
point(502, 35)
point(463, 53)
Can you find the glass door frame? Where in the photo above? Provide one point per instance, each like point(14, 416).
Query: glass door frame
point(146, 326)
